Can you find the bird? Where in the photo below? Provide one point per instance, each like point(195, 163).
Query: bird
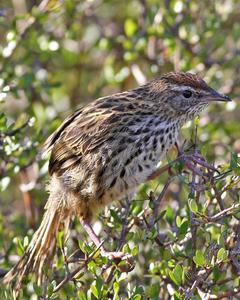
point(104, 151)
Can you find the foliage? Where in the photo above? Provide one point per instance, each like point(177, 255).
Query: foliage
point(182, 229)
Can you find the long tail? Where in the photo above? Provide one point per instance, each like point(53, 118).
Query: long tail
point(41, 249)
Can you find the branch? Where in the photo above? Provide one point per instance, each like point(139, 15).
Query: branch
point(71, 275)
point(224, 213)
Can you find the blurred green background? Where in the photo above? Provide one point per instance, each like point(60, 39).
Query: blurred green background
point(57, 55)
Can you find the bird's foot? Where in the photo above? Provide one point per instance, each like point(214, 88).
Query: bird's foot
point(192, 160)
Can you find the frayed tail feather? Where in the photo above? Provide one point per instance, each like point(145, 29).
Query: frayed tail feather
point(41, 249)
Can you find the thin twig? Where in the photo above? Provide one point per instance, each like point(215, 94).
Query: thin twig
point(235, 251)
point(157, 202)
point(227, 295)
point(77, 270)
point(224, 213)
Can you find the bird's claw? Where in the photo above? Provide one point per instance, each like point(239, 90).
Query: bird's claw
point(191, 160)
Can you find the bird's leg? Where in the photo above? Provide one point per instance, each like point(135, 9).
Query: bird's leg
point(91, 233)
point(168, 167)
point(93, 236)
point(186, 159)
point(198, 159)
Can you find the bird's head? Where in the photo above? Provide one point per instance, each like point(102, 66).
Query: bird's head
point(184, 93)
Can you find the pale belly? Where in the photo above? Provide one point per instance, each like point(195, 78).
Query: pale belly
point(123, 173)
point(139, 168)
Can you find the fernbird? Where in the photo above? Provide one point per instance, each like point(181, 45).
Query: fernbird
point(103, 151)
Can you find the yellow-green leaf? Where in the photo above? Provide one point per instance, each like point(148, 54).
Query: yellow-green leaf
point(199, 258)
point(130, 27)
point(222, 255)
point(193, 205)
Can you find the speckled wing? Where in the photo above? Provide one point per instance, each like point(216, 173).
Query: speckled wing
point(84, 132)
point(57, 133)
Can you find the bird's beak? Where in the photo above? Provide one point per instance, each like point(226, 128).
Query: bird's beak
point(215, 96)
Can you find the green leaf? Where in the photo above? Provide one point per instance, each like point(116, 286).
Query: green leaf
point(178, 221)
point(169, 214)
point(99, 285)
point(94, 291)
point(115, 217)
point(222, 255)
point(153, 291)
point(135, 250)
point(137, 297)
point(51, 287)
point(176, 275)
point(116, 287)
point(60, 239)
point(139, 290)
point(234, 161)
point(153, 233)
point(199, 258)
point(184, 227)
point(81, 245)
point(92, 266)
point(193, 205)
point(19, 245)
point(86, 248)
point(130, 56)
point(81, 295)
point(130, 27)
point(96, 287)
point(3, 121)
point(37, 289)
point(196, 121)
point(126, 248)
point(177, 296)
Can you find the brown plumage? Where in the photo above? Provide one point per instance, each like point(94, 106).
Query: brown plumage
point(104, 150)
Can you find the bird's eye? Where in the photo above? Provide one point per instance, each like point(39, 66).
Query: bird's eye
point(187, 94)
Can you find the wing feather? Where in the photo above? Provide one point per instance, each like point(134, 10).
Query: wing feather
point(57, 133)
point(84, 133)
